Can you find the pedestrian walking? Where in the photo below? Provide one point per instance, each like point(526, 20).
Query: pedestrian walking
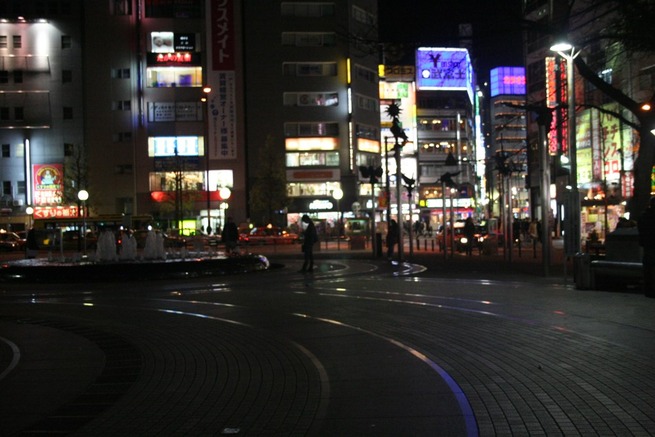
point(310, 237)
point(230, 236)
point(469, 233)
point(646, 227)
point(392, 237)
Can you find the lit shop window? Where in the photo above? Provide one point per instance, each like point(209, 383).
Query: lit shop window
point(162, 77)
point(309, 159)
point(175, 146)
point(296, 189)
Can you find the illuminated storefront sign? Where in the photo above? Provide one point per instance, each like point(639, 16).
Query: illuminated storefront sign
point(320, 205)
point(48, 184)
point(312, 175)
point(57, 212)
point(553, 84)
point(175, 146)
point(313, 143)
point(444, 69)
point(507, 81)
point(177, 59)
point(169, 42)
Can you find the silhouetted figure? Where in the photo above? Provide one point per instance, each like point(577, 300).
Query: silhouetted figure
point(310, 237)
point(646, 227)
point(469, 233)
point(230, 236)
point(392, 237)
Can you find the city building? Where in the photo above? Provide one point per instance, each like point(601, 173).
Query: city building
point(161, 109)
point(605, 139)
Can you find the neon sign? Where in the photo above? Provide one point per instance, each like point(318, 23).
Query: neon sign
point(507, 81)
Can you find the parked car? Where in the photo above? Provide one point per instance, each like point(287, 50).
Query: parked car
point(11, 241)
point(269, 235)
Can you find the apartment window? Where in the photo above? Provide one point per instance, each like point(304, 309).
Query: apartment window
point(69, 149)
point(122, 137)
point(367, 103)
point(18, 76)
point(6, 188)
point(4, 113)
point(19, 113)
point(311, 99)
point(123, 169)
point(310, 69)
point(3, 41)
point(66, 42)
point(68, 113)
point(17, 42)
point(309, 39)
point(4, 76)
point(21, 188)
point(122, 105)
point(6, 151)
point(121, 7)
point(366, 74)
point(120, 73)
point(173, 9)
point(321, 129)
point(66, 76)
point(366, 131)
point(300, 9)
point(363, 16)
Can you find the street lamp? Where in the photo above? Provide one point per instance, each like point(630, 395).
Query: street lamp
point(568, 52)
point(225, 194)
point(83, 195)
point(29, 211)
point(204, 99)
point(337, 193)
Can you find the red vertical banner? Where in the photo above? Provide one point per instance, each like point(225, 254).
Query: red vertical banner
point(222, 33)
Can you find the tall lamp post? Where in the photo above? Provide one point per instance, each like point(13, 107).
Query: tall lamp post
point(83, 195)
point(204, 99)
point(568, 52)
point(338, 195)
point(225, 194)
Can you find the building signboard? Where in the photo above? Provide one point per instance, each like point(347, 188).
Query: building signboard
point(442, 68)
point(48, 184)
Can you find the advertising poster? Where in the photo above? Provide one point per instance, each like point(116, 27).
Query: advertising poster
point(48, 184)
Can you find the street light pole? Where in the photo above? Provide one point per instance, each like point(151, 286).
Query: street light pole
point(205, 98)
point(568, 52)
point(337, 194)
point(83, 195)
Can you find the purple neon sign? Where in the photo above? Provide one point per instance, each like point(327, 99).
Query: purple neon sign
point(507, 80)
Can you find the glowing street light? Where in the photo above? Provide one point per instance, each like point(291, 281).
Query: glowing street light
point(337, 194)
point(83, 195)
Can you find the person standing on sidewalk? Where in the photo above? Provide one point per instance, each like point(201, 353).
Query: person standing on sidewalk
point(469, 233)
point(230, 236)
point(392, 237)
point(646, 227)
point(310, 237)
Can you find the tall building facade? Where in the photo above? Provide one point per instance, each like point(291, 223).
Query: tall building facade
point(606, 146)
point(41, 106)
point(161, 108)
point(312, 92)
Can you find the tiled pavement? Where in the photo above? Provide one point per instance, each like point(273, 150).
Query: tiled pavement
point(589, 374)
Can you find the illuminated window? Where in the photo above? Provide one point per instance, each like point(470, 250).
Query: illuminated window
point(161, 77)
point(309, 159)
point(172, 146)
point(311, 99)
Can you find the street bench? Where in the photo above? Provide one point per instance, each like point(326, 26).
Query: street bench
point(621, 264)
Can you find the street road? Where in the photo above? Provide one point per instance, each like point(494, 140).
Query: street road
point(358, 348)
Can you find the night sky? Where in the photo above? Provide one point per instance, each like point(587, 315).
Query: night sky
point(496, 35)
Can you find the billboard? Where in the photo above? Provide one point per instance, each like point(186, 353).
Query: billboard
point(442, 68)
point(507, 81)
point(48, 184)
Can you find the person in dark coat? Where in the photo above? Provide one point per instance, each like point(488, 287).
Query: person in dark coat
point(230, 236)
point(310, 237)
point(469, 233)
point(392, 237)
point(646, 227)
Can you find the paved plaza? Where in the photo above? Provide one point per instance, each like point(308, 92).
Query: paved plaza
point(440, 345)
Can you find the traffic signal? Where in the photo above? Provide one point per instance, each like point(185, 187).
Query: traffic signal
point(373, 174)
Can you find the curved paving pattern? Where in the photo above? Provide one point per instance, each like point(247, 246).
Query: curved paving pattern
point(348, 353)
